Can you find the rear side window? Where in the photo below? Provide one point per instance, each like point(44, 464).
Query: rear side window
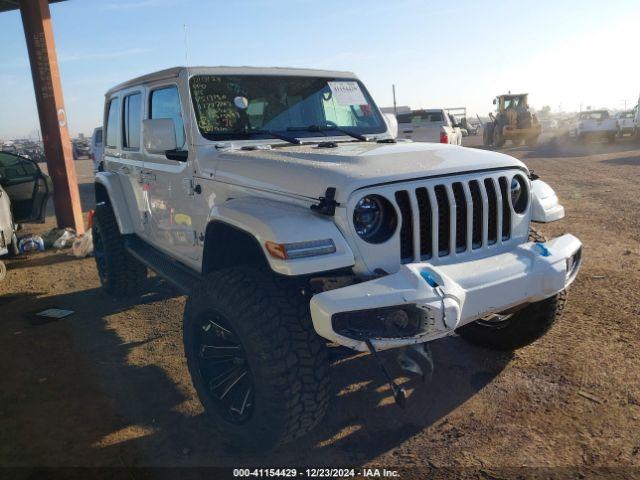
point(165, 103)
point(112, 123)
point(131, 118)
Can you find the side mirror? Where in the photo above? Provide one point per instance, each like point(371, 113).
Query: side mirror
point(494, 101)
point(392, 124)
point(159, 135)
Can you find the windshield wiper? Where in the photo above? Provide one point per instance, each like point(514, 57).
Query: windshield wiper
point(280, 136)
point(318, 128)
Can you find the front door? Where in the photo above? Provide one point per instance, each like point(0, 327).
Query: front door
point(168, 183)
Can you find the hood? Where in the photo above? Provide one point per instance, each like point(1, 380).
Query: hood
point(308, 171)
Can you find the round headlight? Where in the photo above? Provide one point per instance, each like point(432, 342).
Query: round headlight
point(519, 194)
point(374, 219)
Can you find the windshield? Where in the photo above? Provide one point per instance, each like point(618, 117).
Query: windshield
point(594, 115)
point(420, 116)
point(250, 106)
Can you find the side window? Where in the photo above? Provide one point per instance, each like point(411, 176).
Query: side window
point(165, 103)
point(112, 123)
point(131, 118)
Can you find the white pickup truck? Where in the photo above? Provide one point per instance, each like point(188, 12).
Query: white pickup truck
point(594, 124)
point(626, 123)
point(434, 126)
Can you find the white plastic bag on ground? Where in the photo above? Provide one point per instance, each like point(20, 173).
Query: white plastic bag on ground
point(83, 245)
point(65, 240)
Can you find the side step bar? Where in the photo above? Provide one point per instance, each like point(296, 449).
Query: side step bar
point(180, 276)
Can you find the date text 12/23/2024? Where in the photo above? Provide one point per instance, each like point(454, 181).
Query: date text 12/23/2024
point(315, 473)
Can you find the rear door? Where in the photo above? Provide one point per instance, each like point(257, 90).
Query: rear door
point(122, 143)
point(27, 187)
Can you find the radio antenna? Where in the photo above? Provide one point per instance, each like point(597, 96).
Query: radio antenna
point(186, 44)
point(186, 60)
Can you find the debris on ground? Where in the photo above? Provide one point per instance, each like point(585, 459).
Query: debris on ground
point(83, 245)
point(31, 243)
point(589, 396)
point(56, 313)
point(59, 238)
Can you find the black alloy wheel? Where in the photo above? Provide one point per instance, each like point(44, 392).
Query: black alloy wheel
point(224, 368)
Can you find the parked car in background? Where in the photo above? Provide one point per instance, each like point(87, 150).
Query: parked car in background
point(472, 128)
point(97, 149)
point(80, 149)
point(24, 192)
point(28, 188)
point(429, 126)
point(626, 123)
point(594, 125)
point(8, 240)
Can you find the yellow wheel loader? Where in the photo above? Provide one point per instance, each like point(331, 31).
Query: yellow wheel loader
point(512, 121)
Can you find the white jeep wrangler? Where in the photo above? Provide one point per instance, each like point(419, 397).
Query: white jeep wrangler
point(280, 202)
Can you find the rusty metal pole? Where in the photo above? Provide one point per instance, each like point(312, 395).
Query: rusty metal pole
point(36, 20)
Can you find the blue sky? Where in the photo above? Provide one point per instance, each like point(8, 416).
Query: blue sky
point(438, 53)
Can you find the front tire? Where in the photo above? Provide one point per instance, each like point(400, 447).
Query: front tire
point(516, 330)
point(284, 365)
point(511, 331)
point(120, 274)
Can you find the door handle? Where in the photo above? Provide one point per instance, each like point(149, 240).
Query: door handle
point(147, 175)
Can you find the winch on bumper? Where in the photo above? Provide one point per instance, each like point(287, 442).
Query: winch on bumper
point(422, 302)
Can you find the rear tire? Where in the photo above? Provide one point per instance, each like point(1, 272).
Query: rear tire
point(498, 137)
point(3, 270)
point(487, 134)
point(120, 274)
point(284, 391)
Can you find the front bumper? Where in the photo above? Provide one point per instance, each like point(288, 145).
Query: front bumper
point(449, 296)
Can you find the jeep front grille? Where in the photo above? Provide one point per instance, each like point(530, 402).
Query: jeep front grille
point(452, 218)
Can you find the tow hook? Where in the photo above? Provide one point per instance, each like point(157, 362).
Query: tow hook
point(399, 393)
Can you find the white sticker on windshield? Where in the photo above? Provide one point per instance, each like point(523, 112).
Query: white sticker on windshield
point(347, 93)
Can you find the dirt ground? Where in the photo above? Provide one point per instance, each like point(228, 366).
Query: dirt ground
point(108, 386)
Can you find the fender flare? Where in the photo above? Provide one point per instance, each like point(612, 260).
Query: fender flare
point(113, 187)
point(545, 206)
point(270, 220)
